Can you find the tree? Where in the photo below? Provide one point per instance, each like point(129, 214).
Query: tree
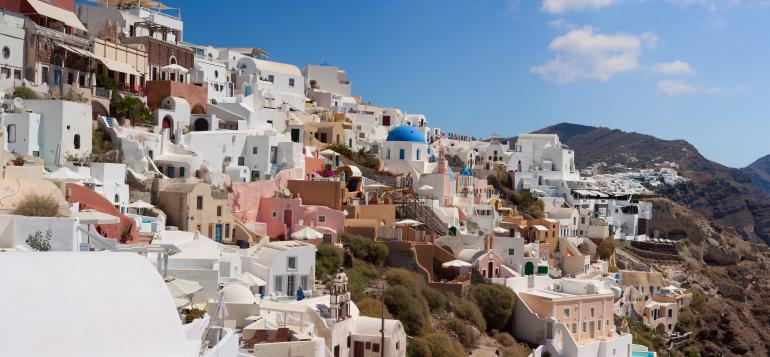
point(327, 259)
point(365, 248)
point(606, 248)
point(496, 303)
point(411, 310)
point(129, 107)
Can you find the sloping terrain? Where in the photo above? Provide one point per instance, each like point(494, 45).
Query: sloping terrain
point(730, 275)
point(727, 196)
point(759, 173)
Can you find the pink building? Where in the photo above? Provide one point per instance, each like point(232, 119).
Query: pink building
point(283, 216)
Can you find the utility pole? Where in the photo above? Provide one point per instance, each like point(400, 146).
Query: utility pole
point(382, 321)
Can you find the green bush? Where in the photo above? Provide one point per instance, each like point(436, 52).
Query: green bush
point(39, 242)
point(496, 303)
point(129, 107)
point(365, 248)
point(466, 334)
point(372, 308)
point(24, 93)
point(505, 339)
point(356, 284)
point(437, 301)
point(442, 345)
point(327, 259)
point(398, 276)
point(37, 205)
point(410, 309)
point(468, 311)
point(418, 347)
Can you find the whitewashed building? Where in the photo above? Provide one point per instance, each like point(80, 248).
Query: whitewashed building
point(11, 46)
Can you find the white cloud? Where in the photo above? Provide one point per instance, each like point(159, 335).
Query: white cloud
point(561, 24)
point(673, 68)
point(562, 6)
point(676, 87)
point(581, 53)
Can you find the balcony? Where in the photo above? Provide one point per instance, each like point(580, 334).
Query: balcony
point(62, 37)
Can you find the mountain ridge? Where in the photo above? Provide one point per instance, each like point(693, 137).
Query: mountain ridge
point(728, 196)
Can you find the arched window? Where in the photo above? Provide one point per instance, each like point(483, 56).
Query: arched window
point(172, 60)
point(11, 133)
point(77, 141)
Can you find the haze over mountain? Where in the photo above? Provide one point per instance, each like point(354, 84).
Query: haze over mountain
point(759, 172)
point(732, 197)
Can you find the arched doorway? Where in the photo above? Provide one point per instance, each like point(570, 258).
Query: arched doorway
point(97, 109)
point(167, 123)
point(201, 124)
point(529, 268)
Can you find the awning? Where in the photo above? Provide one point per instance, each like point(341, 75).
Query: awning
point(77, 51)
point(67, 17)
point(95, 217)
point(118, 66)
point(111, 64)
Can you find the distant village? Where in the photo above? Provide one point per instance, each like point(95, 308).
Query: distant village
point(165, 198)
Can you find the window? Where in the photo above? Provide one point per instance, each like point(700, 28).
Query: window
point(6, 52)
point(227, 230)
point(172, 60)
point(574, 328)
point(375, 347)
point(270, 78)
point(216, 74)
point(398, 344)
point(76, 141)
point(82, 80)
point(274, 214)
point(291, 82)
point(11, 133)
point(278, 283)
point(273, 154)
point(511, 251)
point(593, 312)
point(16, 74)
point(117, 198)
point(181, 170)
point(388, 156)
point(417, 156)
point(44, 75)
point(219, 211)
point(255, 150)
point(241, 161)
point(670, 313)
point(348, 341)
point(368, 345)
point(585, 326)
point(321, 219)
point(401, 154)
point(303, 282)
point(291, 263)
point(70, 78)
point(566, 312)
point(199, 202)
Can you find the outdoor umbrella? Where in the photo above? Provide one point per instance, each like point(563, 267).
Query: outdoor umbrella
point(307, 233)
point(181, 287)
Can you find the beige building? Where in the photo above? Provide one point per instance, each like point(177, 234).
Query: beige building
point(195, 206)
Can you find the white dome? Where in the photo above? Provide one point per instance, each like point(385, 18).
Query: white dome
point(237, 294)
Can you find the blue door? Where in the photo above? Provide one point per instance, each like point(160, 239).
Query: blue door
point(218, 233)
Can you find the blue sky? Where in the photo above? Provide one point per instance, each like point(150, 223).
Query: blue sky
point(689, 69)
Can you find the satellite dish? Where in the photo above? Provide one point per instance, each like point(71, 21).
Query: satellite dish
point(18, 103)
